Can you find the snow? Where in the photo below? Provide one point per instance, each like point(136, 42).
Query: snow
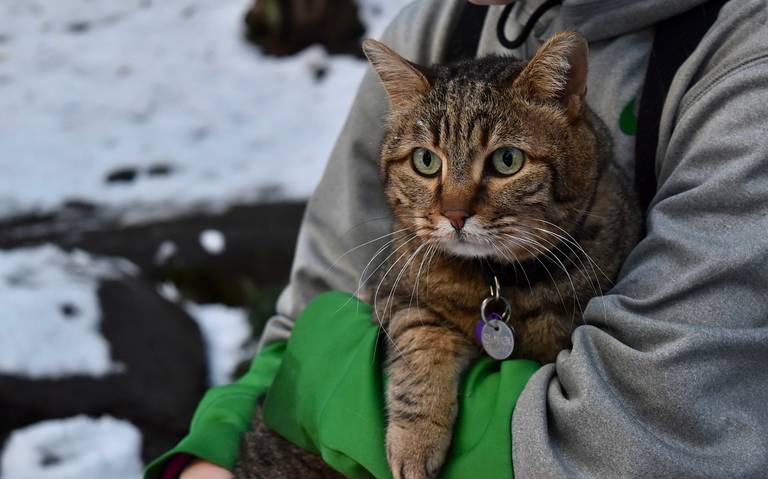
point(225, 331)
point(166, 100)
point(50, 313)
point(212, 241)
point(165, 251)
point(147, 109)
point(74, 448)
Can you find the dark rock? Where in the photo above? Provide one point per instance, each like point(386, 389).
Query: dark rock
point(69, 310)
point(50, 459)
point(260, 245)
point(334, 24)
point(163, 379)
point(319, 72)
point(122, 175)
point(160, 169)
point(79, 27)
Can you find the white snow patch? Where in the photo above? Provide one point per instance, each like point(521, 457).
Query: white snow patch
point(50, 313)
point(76, 448)
point(165, 251)
point(167, 96)
point(213, 241)
point(169, 291)
point(225, 331)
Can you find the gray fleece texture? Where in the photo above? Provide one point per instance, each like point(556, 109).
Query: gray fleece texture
point(668, 376)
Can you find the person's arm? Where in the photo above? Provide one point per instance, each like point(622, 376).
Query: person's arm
point(668, 377)
point(347, 211)
point(222, 416)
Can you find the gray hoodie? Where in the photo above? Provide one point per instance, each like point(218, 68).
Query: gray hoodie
point(669, 375)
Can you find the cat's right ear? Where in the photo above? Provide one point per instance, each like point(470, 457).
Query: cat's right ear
point(558, 73)
point(403, 81)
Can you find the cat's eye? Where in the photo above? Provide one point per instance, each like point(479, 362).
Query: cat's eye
point(507, 161)
point(426, 162)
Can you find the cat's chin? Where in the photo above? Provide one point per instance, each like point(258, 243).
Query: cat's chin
point(466, 249)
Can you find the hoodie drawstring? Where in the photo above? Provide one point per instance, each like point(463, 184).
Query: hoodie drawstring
point(527, 28)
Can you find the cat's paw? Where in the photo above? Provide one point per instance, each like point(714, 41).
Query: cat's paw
point(416, 452)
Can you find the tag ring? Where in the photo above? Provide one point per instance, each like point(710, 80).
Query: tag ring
point(488, 301)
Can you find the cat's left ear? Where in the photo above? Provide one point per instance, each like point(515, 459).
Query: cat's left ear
point(558, 72)
point(404, 81)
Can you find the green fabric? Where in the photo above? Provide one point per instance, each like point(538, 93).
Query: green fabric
point(327, 397)
point(224, 414)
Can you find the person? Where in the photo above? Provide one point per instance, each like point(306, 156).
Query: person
point(667, 376)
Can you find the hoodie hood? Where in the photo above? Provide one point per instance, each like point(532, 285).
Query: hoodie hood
point(602, 19)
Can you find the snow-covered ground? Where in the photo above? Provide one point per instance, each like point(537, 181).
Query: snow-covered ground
point(225, 332)
point(50, 314)
point(166, 100)
point(166, 93)
point(75, 448)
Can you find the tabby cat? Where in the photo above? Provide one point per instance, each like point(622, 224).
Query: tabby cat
point(492, 167)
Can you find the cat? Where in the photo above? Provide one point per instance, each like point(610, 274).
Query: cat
point(494, 169)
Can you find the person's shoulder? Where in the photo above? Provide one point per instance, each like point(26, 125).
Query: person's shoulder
point(421, 29)
point(736, 42)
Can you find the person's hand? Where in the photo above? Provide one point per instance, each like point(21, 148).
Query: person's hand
point(200, 469)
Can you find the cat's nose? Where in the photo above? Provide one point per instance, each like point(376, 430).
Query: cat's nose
point(457, 218)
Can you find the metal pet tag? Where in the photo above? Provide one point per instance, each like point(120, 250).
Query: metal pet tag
point(497, 339)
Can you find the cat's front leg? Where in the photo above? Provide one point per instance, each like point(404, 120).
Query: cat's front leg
point(426, 358)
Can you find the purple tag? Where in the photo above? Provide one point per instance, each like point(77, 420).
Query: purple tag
point(479, 331)
point(480, 324)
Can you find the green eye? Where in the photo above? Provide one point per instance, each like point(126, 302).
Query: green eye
point(507, 161)
point(426, 162)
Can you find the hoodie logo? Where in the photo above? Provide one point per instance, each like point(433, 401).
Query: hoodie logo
point(628, 118)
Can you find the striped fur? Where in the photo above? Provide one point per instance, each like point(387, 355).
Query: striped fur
point(565, 222)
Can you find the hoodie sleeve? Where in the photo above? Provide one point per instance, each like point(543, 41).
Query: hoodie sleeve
point(668, 377)
point(347, 212)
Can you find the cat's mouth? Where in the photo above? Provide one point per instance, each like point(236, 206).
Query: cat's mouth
point(467, 245)
point(462, 246)
point(468, 242)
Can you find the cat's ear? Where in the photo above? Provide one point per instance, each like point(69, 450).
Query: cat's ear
point(403, 81)
point(558, 72)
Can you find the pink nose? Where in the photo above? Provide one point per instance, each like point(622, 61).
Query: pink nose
point(456, 217)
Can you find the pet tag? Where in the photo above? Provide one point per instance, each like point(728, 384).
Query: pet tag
point(493, 332)
point(497, 339)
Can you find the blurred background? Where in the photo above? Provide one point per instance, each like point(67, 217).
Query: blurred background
point(155, 158)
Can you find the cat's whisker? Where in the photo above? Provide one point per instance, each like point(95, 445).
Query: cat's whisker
point(582, 267)
point(593, 278)
point(365, 222)
point(551, 255)
point(390, 303)
point(575, 243)
point(418, 277)
point(361, 282)
point(381, 281)
point(349, 251)
point(536, 254)
point(570, 239)
point(580, 211)
point(553, 252)
point(435, 252)
point(514, 258)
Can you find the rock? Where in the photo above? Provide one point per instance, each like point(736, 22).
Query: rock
point(283, 27)
point(162, 379)
point(260, 243)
